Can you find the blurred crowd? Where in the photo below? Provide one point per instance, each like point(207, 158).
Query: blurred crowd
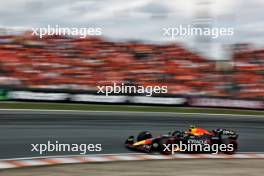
point(57, 62)
point(248, 74)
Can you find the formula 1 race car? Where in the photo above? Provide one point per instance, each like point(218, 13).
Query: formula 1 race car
point(193, 140)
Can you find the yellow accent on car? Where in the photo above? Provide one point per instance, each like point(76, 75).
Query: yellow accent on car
point(140, 143)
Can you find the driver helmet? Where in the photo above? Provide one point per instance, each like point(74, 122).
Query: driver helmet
point(191, 127)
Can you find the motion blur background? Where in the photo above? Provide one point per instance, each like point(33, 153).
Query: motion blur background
point(133, 48)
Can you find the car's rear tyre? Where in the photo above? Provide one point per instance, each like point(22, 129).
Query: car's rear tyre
point(162, 146)
point(144, 135)
point(130, 140)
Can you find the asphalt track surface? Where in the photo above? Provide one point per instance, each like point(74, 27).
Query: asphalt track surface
point(20, 129)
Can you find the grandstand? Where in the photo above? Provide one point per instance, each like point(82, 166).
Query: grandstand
point(57, 62)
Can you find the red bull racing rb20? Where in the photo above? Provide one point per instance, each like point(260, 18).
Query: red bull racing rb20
point(193, 140)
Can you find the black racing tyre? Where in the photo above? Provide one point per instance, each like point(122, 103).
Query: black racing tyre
point(234, 147)
point(144, 135)
point(164, 150)
point(130, 140)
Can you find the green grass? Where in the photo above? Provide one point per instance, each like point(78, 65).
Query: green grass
point(93, 107)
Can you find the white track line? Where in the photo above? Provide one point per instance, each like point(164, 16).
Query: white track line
point(125, 112)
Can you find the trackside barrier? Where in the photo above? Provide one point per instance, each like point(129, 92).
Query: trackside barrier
point(172, 100)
